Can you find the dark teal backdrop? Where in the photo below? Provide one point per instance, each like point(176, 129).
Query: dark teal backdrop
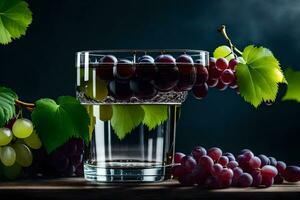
point(41, 64)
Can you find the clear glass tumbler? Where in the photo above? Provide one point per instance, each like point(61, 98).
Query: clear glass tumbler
point(134, 103)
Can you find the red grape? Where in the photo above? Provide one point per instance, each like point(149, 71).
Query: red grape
point(198, 152)
point(124, 69)
point(257, 178)
point(254, 162)
point(212, 182)
point(178, 157)
point(221, 64)
point(248, 155)
point(200, 91)
point(206, 162)
point(216, 169)
point(223, 160)
point(232, 164)
point(226, 174)
point(227, 76)
point(232, 64)
point(189, 163)
point(212, 82)
point(267, 181)
point(269, 171)
point(221, 86)
point(187, 179)
point(215, 153)
point(202, 74)
point(179, 171)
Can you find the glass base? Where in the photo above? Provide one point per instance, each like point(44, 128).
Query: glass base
point(124, 172)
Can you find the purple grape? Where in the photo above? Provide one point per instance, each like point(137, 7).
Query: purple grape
point(223, 161)
point(198, 152)
point(200, 175)
point(273, 161)
point(216, 169)
point(206, 162)
point(143, 90)
point(105, 69)
point(254, 162)
point(178, 157)
point(212, 182)
point(120, 90)
point(281, 166)
point(215, 153)
point(278, 179)
point(230, 156)
point(187, 73)
point(248, 155)
point(146, 69)
point(237, 172)
point(292, 174)
point(124, 69)
point(187, 180)
point(245, 180)
point(244, 151)
point(189, 163)
point(257, 178)
point(264, 160)
point(225, 175)
point(232, 164)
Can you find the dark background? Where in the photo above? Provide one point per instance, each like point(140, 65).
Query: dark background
point(41, 64)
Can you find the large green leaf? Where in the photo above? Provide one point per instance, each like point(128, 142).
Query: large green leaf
point(57, 122)
point(125, 118)
point(15, 17)
point(155, 115)
point(293, 88)
point(259, 76)
point(7, 105)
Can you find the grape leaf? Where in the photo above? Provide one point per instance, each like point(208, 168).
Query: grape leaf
point(155, 115)
point(258, 78)
point(7, 105)
point(223, 52)
point(15, 17)
point(125, 118)
point(293, 88)
point(57, 122)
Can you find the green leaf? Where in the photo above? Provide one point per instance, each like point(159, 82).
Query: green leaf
point(57, 122)
point(155, 115)
point(223, 52)
point(258, 78)
point(7, 105)
point(15, 17)
point(293, 88)
point(125, 118)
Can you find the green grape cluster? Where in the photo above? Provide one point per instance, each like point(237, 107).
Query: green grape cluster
point(16, 141)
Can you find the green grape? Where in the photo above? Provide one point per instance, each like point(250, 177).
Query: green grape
point(23, 154)
point(106, 112)
point(5, 136)
point(8, 155)
point(22, 128)
point(223, 52)
point(101, 91)
point(33, 141)
point(12, 172)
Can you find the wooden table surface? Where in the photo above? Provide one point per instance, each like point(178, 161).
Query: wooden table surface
point(78, 188)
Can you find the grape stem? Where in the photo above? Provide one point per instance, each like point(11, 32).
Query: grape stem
point(233, 48)
point(28, 106)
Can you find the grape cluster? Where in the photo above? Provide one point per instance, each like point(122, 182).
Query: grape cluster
point(214, 169)
point(123, 79)
point(17, 139)
point(219, 74)
point(65, 161)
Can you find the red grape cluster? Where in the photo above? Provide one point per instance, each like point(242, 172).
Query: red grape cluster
point(220, 74)
point(214, 169)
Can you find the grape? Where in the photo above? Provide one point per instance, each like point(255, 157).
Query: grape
point(79, 170)
point(189, 163)
point(221, 64)
point(216, 169)
point(146, 69)
point(221, 86)
point(226, 174)
point(187, 73)
point(212, 182)
point(269, 171)
point(96, 90)
point(206, 162)
point(213, 73)
point(267, 181)
point(202, 74)
point(212, 82)
point(232, 64)
point(120, 90)
point(227, 76)
point(5, 136)
point(143, 89)
point(273, 161)
point(59, 161)
point(200, 175)
point(33, 141)
point(179, 171)
point(198, 152)
point(7, 155)
point(292, 174)
point(10, 123)
point(257, 178)
point(280, 166)
point(106, 112)
point(254, 162)
point(146, 59)
point(232, 164)
point(12, 172)
point(215, 153)
point(178, 157)
point(105, 70)
point(23, 154)
point(200, 91)
point(233, 84)
point(230, 156)
point(22, 128)
point(187, 179)
point(245, 150)
point(264, 160)
point(223, 160)
point(248, 155)
point(223, 51)
point(278, 179)
point(237, 172)
point(124, 69)
point(245, 180)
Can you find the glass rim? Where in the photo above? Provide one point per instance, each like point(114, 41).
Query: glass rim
point(143, 51)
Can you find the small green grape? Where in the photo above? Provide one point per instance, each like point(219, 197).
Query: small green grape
point(223, 52)
point(23, 154)
point(22, 128)
point(33, 141)
point(106, 112)
point(12, 172)
point(5, 136)
point(8, 155)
